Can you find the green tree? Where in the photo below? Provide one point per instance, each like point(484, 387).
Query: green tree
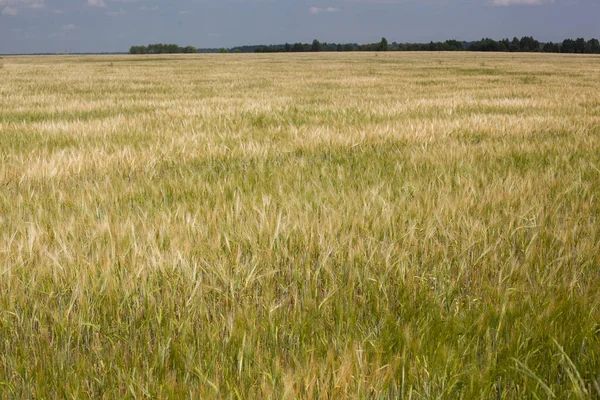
point(515, 45)
point(383, 45)
point(592, 46)
point(487, 44)
point(316, 46)
point(568, 46)
point(138, 50)
point(454, 45)
point(551, 47)
point(580, 45)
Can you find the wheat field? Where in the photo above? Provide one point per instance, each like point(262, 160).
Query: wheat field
point(362, 225)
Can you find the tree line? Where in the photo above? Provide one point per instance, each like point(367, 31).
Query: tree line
point(529, 44)
point(160, 48)
point(524, 44)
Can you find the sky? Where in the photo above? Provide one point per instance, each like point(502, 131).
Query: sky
point(32, 26)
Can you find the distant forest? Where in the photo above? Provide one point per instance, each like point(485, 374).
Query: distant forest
point(525, 44)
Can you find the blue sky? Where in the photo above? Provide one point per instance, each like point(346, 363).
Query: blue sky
point(114, 25)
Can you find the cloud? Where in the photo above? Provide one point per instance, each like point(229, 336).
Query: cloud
point(69, 27)
point(12, 7)
point(9, 11)
point(146, 8)
point(319, 10)
point(116, 13)
point(520, 2)
point(96, 3)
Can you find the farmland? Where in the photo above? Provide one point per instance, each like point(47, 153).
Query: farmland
point(374, 225)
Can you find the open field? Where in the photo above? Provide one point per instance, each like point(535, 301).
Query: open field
point(300, 226)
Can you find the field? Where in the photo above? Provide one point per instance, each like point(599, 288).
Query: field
point(300, 226)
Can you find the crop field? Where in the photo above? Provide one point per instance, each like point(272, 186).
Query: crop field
point(363, 225)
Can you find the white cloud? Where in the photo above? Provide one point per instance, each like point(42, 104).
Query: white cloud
point(9, 11)
point(96, 3)
point(69, 27)
point(146, 8)
point(520, 2)
point(116, 13)
point(319, 10)
point(12, 7)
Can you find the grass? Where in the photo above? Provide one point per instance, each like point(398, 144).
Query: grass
point(300, 226)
